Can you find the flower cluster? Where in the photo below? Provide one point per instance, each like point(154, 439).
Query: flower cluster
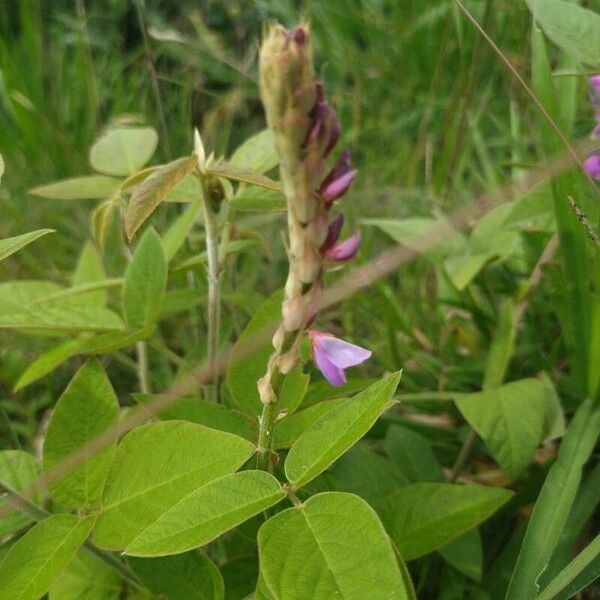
point(306, 130)
point(592, 163)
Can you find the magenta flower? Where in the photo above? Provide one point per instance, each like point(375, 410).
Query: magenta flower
point(592, 166)
point(595, 82)
point(325, 128)
point(333, 355)
point(344, 250)
point(339, 179)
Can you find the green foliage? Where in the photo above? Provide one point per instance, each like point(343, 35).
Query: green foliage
point(145, 281)
point(336, 431)
point(190, 576)
point(11, 245)
point(86, 409)
point(155, 467)
point(422, 517)
point(34, 562)
point(332, 545)
point(88, 187)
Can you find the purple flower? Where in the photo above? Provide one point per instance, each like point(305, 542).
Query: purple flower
point(325, 126)
point(333, 233)
point(592, 166)
point(339, 179)
point(344, 250)
point(333, 355)
point(595, 82)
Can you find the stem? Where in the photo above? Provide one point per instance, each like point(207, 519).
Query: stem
point(211, 229)
point(142, 367)
point(37, 513)
point(463, 456)
point(265, 436)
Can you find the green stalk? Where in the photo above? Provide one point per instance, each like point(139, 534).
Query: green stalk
point(211, 229)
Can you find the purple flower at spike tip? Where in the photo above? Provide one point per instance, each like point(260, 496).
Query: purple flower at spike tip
point(592, 166)
point(339, 179)
point(333, 355)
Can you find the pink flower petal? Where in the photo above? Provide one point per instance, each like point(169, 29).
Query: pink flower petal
point(344, 250)
point(592, 166)
point(343, 354)
point(333, 374)
point(595, 82)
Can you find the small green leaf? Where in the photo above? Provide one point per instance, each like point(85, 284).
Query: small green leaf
point(256, 154)
point(189, 576)
point(290, 428)
point(90, 270)
point(250, 354)
point(18, 469)
point(229, 171)
point(574, 29)
point(207, 512)
point(145, 281)
point(87, 577)
point(463, 269)
point(510, 419)
point(332, 546)
point(155, 467)
point(86, 409)
point(336, 431)
point(88, 187)
point(293, 389)
point(123, 150)
point(423, 517)
point(11, 245)
point(253, 198)
point(212, 415)
point(152, 191)
point(48, 361)
point(34, 562)
point(105, 343)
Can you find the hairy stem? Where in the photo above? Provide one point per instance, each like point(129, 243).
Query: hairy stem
point(211, 228)
point(142, 367)
point(37, 513)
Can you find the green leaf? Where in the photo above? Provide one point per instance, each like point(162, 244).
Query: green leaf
point(574, 29)
point(89, 187)
point(11, 245)
point(465, 553)
point(39, 557)
point(87, 577)
point(256, 154)
point(86, 409)
point(554, 502)
point(290, 428)
point(366, 474)
point(240, 576)
point(105, 343)
point(463, 269)
point(145, 281)
point(423, 517)
point(56, 317)
point(175, 236)
point(293, 389)
point(417, 233)
point(187, 190)
point(212, 415)
point(152, 191)
point(48, 361)
point(155, 467)
point(207, 512)
point(253, 198)
point(190, 576)
point(501, 348)
point(229, 171)
point(336, 431)
point(90, 270)
point(577, 575)
point(332, 546)
point(249, 355)
point(123, 150)
point(18, 469)
point(510, 419)
point(413, 455)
